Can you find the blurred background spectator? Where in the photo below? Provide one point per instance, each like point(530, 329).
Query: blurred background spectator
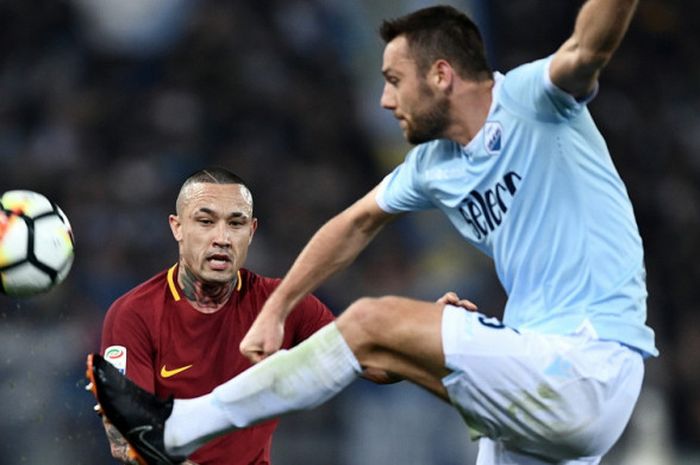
point(106, 106)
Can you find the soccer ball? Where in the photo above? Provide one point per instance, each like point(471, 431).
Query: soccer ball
point(36, 244)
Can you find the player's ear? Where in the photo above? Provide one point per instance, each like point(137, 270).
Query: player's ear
point(442, 74)
point(175, 227)
point(253, 228)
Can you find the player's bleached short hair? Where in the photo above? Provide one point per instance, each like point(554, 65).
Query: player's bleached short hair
point(213, 175)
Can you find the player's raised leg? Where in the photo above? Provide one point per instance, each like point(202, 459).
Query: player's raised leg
point(388, 335)
point(291, 380)
point(321, 367)
point(541, 395)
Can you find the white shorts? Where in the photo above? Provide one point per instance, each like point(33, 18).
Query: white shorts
point(538, 397)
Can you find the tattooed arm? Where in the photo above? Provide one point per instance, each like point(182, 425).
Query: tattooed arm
point(120, 449)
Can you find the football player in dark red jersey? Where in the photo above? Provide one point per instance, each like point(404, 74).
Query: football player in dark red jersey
point(179, 332)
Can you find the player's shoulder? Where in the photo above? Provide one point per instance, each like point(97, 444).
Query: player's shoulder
point(528, 92)
point(535, 68)
point(251, 280)
point(141, 297)
point(257, 283)
point(521, 83)
point(261, 287)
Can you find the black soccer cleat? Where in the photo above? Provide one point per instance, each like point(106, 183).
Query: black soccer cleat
point(137, 414)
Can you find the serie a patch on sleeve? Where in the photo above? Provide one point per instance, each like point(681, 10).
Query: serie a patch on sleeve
point(116, 355)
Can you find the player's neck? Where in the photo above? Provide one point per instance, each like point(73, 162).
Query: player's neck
point(471, 105)
point(203, 296)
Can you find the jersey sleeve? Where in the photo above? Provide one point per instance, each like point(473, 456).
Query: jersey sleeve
point(309, 316)
point(529, 90)
point(401, 190)
point(124, 329)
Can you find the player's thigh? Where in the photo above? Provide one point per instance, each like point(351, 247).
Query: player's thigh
point(562, 397)
point(393, 332)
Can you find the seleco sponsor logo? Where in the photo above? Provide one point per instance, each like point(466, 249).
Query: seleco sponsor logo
point(484, 211)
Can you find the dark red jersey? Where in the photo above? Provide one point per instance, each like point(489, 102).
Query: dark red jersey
point(167, 347)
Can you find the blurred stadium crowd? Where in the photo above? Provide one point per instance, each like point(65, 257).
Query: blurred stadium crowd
point(107, 106)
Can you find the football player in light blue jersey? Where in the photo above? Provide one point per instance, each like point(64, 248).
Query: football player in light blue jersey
point(518, 166)
point(536, 190)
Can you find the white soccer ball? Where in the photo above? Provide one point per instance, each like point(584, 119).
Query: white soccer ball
point(36, 244)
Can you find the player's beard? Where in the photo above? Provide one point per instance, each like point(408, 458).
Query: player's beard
point(432, 123)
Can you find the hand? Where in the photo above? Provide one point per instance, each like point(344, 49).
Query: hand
point(451, 298)
point(263, 339)
point(120, 449)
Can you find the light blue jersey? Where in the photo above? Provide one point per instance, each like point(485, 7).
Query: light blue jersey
point(537, 191)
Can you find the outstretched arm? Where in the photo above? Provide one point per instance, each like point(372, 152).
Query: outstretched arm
point(600, 27)
point(332, 248)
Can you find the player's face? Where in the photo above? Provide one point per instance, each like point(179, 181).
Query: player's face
point(214, 230)
point(422, 112)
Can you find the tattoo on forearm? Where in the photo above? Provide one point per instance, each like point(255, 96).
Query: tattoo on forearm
point(118, 445)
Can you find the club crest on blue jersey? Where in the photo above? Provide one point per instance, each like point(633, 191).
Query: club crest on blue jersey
point(493, 137)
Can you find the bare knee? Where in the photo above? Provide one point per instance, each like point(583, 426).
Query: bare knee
point(367, 323)
point(397, 337)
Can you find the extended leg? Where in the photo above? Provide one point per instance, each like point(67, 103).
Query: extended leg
point(390, 334)
point(400, 336)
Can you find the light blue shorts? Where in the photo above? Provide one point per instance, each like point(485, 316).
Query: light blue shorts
point(537, 397)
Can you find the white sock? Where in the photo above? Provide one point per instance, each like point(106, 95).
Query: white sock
point(190, 419)
point(288, 381)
